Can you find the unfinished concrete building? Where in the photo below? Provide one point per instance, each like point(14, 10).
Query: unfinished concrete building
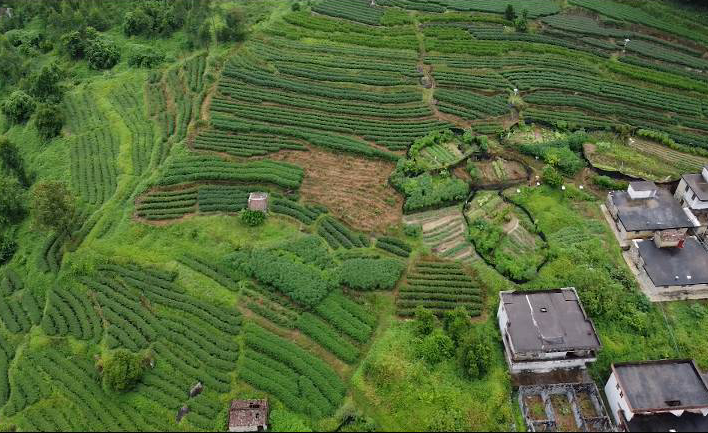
point(544, 331)
point(658, 396)
point(564, 407)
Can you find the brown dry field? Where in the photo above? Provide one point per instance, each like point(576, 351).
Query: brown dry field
point(354, 189)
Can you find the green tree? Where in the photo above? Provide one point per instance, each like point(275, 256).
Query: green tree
point(122, 370)
point(436, 347)
point(424, 321)
point(475, 354)
point(8, 246)
point(521, 24)
point(552, 177)
point(234, 29)
point(102, 53)
point(456, 324)
point(12, 198)
point(252, 218)
point(45, 83)
point(49, 121)
point(11, 161)
point(510, 13)
point(137, 22)
point(53, 206)
point(18, 107)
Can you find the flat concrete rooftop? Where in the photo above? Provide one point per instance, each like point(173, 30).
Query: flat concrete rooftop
point(661, 212)
point(662, 385)
point(548, 321)
point(664, 265)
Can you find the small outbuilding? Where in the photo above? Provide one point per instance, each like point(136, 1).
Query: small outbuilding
point(658, 396)
point(258, 201)
point(544, 331)
point(248, 416)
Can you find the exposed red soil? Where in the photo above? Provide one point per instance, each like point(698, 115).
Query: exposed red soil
point(354, 189)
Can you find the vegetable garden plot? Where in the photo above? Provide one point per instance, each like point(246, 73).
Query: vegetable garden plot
point(444, 231)
point(439, 287)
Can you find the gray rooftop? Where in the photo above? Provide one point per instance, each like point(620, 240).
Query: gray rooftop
point(661, 212)
point(698, 184)
point(662, 385)
point(643, 186)
point(664, 422)
point(663, 265)
point(548, 321)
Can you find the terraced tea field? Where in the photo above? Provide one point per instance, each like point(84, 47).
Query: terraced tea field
point(445, 233)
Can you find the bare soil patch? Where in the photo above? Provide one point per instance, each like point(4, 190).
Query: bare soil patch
point(354, 189)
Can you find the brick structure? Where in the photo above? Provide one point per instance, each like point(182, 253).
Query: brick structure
point(258, 201)
point(248, 416)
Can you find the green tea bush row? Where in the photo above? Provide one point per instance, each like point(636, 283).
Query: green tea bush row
point(342, 75)
point(243, 71)
point(194, 70)
point(10, 282)
point(394, 246)
point(242, 145)
point(338, 235)
point(526, 80)
point(303, 283)
point(13, 316)
point(371, 274)
point(336, 312)
point(158, 205)
point(128, 101)
point(211, 269)
point(486, 106)
point(655, 51)
point(328, 141)
point(345, 50)
point(193, 168)
point(354, 10)
point(327, 337)
point(487, 81)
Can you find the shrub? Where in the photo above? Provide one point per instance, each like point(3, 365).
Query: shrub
point(8, 246)
point(49, 121)
point(252, 218)
point(424, 321)
point(456, 324)
point(371, 274)
point(436, 347)
point(413, 230)
point(122, 370)
point(45, 83)
point(11, 161)
point(18, 107)
point(53, 206)
point(11, 201)
point(551, 177)
point(475, 355)
point(233, 30)
point(142, 56)
point(102, 53)
point(606, 182)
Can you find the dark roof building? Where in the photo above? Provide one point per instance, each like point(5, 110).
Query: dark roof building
point(546, 330)
point(658, 396)
point(248, 416)
point(667, 267)
point(657, 212)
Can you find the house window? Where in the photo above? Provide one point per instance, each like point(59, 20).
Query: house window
point(621, 394)
point(687, 188)
point(694, 197)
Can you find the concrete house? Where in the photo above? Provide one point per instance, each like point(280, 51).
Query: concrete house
point(692, 193)
point(658, 396)
point(544, 331)
point(5, 12)
point(667, 274)
point(248, 416)
point(645, 211)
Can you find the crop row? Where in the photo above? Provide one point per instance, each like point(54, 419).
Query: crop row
point(194, 70)
point(526, 80)
point(343, 51)
point(191, 168)
point(486, 106)
point(7, 353)
point(328, 141)
point(10, 282)
point(355, 10)
point(242, 145)
point(394, 246)
point(71, 313)
point(159, 205)
point(241, 70)
point(338, 235)
point(211, 269)
point(327, 337)
point(259, 95)
point(128, 101)
point(519, 60)
point(486, 81)
point(344, 75)
point(318, 386)
point(383, 132)
point(346, 317)
point(94, 173)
